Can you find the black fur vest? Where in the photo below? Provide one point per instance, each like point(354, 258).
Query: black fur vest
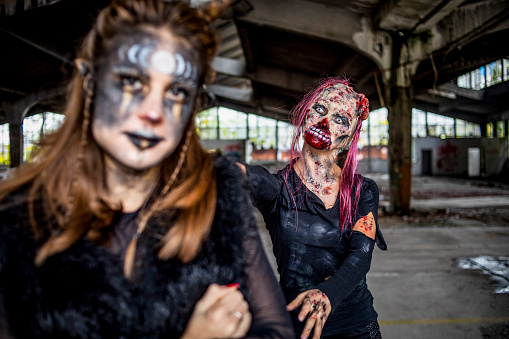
point(82, 292)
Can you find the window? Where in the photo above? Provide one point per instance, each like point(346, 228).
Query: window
point(440, 126)
point(505, 67)
point(36, 126)
point(206, 122)
point(232, 124)
point(494, 73)
point(378, 127)
point(485, 76)
point(500, 129)
point(464, 81)
point(479, 78)
point(5, 155)
point(473, 130)
point(418, 123)
point(489, 130)
point(284, 140)
point(262, 131)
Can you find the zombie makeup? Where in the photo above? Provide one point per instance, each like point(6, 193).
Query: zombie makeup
point(323, 170)
point(366, 225)
point(146, 90)
point(331, 118)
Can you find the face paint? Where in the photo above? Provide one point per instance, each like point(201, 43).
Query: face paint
point(325, 185)
point(146, 91)
point(331, 118)
point(318, 135)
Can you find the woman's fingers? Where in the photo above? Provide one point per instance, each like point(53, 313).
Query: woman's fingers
point(243, 325)
point(214, 294)
point(232, 314)
point(296, 302)
point(310, 323)
point(222, 312)
point(307, 307)
point(316, 307)
point(320, 323)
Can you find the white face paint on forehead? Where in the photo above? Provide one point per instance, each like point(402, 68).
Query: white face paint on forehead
point(153, 54)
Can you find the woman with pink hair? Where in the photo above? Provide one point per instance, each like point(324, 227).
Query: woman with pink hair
point(322, 217)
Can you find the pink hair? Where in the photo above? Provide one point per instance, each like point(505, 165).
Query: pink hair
point(349, 180)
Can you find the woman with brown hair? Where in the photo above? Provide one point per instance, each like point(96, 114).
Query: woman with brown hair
point(125, 227)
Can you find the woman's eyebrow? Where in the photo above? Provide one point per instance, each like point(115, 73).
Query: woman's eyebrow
point(130, 69)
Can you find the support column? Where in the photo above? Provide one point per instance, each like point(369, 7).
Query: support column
point(399, 102)
point(484, 132)
point(16, 141)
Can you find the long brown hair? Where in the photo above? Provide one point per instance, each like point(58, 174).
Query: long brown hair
point(69, 173)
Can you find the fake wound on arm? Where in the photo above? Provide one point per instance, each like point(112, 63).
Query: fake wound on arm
point(366, 225)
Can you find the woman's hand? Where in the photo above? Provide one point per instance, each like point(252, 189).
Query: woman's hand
point(222, 312)
point(316, 307)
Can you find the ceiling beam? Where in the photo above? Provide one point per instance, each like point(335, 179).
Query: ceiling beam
point(229, 66)
point(397, 15)
point(273, 113)
point(306, 18)
point(237, 94)
point(278, 77)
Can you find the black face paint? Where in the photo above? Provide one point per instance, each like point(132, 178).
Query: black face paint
point(125, 81)
point(147, 85)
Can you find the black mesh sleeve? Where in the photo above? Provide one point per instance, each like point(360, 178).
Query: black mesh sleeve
point(264, 188)
point(267, 304)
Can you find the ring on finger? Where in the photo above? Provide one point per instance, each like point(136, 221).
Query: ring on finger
point(238, 315)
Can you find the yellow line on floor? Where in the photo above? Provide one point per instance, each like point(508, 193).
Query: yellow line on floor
point(442, 321)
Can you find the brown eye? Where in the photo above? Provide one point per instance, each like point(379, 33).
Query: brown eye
point(131, 83)
point(177, 93)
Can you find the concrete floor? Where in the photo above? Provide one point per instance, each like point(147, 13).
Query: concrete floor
point(419, 290)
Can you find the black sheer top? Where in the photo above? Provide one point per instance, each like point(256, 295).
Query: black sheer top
point(266, 303)
point(310, 250)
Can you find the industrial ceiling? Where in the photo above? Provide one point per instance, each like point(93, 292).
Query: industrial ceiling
point(273, 52)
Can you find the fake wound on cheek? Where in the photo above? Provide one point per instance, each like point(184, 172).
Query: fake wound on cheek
point(366, 225)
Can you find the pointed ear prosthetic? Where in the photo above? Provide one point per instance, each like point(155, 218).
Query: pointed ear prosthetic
point(85, 70)
point(363, 108)
point(214, 9)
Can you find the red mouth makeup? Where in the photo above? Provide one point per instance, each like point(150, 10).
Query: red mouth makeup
point(318, 136)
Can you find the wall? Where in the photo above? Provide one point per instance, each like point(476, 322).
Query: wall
point(235, 149)
point(450, 156)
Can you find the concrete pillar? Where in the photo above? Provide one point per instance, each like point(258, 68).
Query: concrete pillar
point(16, 141)
point(399, 101)
point(484, 132)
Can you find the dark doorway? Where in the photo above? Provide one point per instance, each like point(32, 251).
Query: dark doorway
point(426, 162)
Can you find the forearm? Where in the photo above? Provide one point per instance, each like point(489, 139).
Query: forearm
point(353, 269)
point(267, 303)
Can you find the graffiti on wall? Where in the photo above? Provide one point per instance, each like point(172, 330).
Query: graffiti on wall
point(447, 157)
